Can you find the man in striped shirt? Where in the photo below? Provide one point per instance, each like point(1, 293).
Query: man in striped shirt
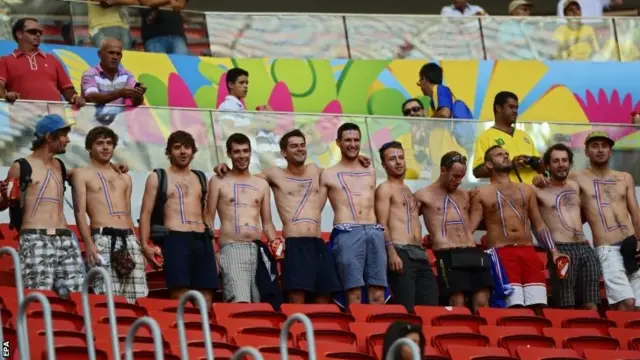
point(108, 82)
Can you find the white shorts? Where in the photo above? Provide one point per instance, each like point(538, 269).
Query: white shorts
point(618, 284)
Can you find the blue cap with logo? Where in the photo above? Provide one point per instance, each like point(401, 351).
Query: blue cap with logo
point(50, 124)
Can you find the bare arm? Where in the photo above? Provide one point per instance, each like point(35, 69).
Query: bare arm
point(125, 2)
point(475, 212)
point(79, 193)
point(128, 197)
point(148, 202)
point(632, 203)
point(14, 173)
point(265, 214)
point(213, 194)
point(540, 229)
point(155, 3)
point(382, 209)
point(103, 98)
point(324, 189)
point(178, 4)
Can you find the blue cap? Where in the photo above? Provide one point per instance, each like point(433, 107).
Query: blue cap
point(51, 123)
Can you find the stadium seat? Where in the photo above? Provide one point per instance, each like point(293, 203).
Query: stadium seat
point(382, 314)
point(363, 331)
point(60, 321)
point(320, 314)
point(101, 311)
point(329, 335)
point(248, 311)
point(95, 299)
point(193, 332)
point(336, 351)
point(221, 350)
point(581, 339)
point(512, 337)
point(623, 318)
point(72, 352)
point(458, 352)
point(159, 304)
point(449, 316)
point(624, 336)
point(570, 318)
point(531, 353)
point(596, 354)
point(150, 355)
point(168, 320)
point(273, 353)
point(234, 326)
point(429, 354)
point(514, 317)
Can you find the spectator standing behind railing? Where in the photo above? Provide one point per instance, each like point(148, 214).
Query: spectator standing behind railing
point(110, 83)
point(520, 8)
point(163, 30)
point(30, 74)
point(576, 40)
point(526, 158)
point(462, 8)
point(590, 8)
point(109, 18)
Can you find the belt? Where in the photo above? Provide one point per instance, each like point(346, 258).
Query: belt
point(109, 231)
point(46, 232)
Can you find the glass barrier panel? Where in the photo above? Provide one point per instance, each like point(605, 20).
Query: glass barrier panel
point(53, 16)
point(543, 38)
point(92, 23)
point(265, 129)
point(276, 36)
point(628, 30)
point(143, 132)
point(414, 37)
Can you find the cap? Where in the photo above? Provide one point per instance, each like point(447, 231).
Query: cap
point(569, 2)
point(51, 123)
point(515, 3)
point(598, 135)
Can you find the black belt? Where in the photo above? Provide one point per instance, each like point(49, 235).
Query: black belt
point(109, 231)
point(46, 232)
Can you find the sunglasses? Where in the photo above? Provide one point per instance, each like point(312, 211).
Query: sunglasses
point(457, 159)
point(410, 110)
point(33, 31)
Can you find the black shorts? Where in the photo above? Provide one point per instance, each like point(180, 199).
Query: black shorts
point(189, 261)
point(309, 265)
point(468, 280)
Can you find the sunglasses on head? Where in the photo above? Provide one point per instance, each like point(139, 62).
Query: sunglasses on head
point(33, 31)
point(457, 159)
point(410, 110)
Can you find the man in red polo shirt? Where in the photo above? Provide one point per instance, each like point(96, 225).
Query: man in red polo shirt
point(30, 74)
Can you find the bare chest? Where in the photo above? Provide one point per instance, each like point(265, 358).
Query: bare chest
point(353, 182)
point(404, 200)
point(100, 183)
point(46, 181)
point(564, 199)
point(604, 192)
point(449, 204)
point(240, 194)
point(511, 200)
point(295, 188)
point(183, 189)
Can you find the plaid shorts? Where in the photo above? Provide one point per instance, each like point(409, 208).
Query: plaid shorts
point(583, 277)
point(50, 258)
point(135, 284)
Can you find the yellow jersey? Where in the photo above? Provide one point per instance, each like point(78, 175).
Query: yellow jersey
point(520, 143)
point(99, 17)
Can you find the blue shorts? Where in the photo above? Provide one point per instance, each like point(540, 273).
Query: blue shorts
point(309, 265)
point(360, 255)
point(189, 261)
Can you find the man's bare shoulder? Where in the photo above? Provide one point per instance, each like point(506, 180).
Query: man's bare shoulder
point(425, 194)
point(462, 193)
point(259, 182)
point(486, 192)
point(573, 185)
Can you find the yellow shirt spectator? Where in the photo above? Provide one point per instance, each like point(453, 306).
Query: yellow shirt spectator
point(520, 143)
point(576, 43)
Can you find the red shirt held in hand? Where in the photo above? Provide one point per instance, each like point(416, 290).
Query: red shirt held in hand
point(38, 76)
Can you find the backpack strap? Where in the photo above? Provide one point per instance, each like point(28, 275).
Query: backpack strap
point(157, 216)
point(203, 183)
point(65, 179)
point(25, 178)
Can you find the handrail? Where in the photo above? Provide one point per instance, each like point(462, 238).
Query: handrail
point(310, 336)
point(202, 304)
point(415, 350)
point(23, 338)
point(247, 350)
point(155, 333)
point(86, 309)
point(17, 275)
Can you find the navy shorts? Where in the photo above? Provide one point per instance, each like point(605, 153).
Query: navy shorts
point(309, 265)
point(189, 261)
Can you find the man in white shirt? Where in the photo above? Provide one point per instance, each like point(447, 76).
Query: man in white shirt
point(238, 86)
point(462, 8)
point(589, 8)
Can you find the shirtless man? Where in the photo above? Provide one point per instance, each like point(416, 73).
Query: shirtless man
point(560, 205)
point(610, 206)
point(243, 203)
point(308, 267)
point(510, 210)
point(358, 241)
point(49, 254)
point(410, 276)
point(463, 268)
point(186, 244)
point(105, 196)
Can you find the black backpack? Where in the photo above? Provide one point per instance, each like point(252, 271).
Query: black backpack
point(16, 211)
point(157, 216)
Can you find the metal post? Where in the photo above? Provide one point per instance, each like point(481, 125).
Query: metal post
point(247, 350)
point(23, 341)
point(415, 350)
point(308, 328)
point(86, 309)
point(206, 328)
point(155, 332)
point(17, 274)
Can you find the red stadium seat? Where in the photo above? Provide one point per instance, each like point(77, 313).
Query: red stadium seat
point(569, 318)
point(442, 342)
point(596, 354)
point(547, 354)
point(320, 314)
point(382, 314)
point(336, 351)
point(449, 316)
point(514, 317)
point(328, 335)
point(513, 337)
point(193, 331)
point(363, 331)
point(624, 336)
point(457, 352)
point(623, 318)
point(581, 339)
point(248, 311)
point(235, 326)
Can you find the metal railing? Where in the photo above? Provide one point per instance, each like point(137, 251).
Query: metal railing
point(86, 310)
